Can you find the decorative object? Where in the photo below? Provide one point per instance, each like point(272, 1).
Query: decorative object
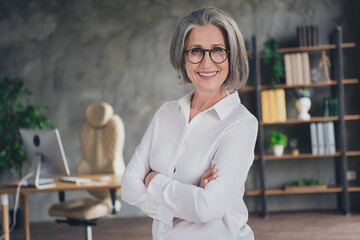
point(274, 61)
point(325, 64)
point(315, 75)
point(14, 115)
point(303, 102)
point(277, 142)
point(293, 145)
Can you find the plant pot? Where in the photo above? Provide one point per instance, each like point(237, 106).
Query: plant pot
point(278, 150)
point(303, 105)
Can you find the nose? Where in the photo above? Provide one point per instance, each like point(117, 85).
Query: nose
point(207, 60)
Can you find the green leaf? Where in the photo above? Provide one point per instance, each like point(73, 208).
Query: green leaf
point(14, 115)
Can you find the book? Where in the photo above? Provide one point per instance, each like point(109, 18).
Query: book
point(326, 138)
point(332, 144)
point(288, 70)
point(314, 140)
point(265, 108)
point(326, 107)
point(334, 107)
point(281, 105)
point(300, 69)
point(320, 137)
point(315, 36)
point(308, 36)
point(273, 106)
point(294, 68)
point(306, 68)
point(299, 35)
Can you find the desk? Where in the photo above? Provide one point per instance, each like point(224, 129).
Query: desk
point(113, 183)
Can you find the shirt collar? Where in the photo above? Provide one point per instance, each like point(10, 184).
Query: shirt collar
point(222, 108)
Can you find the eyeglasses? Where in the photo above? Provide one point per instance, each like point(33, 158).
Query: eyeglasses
point(217, 55)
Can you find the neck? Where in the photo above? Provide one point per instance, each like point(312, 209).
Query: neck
point(201, 101)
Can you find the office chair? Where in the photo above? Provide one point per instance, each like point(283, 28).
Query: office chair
point(102, 139)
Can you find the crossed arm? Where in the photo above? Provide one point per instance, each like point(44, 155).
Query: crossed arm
point(163, 198)
point(208, 176)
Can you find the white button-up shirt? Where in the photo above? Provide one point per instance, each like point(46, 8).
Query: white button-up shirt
point(181, 152)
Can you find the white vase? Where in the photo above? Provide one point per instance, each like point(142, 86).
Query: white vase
point(303, 106)
point(278, 150)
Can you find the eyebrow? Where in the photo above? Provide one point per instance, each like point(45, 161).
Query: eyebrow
point(212, 46)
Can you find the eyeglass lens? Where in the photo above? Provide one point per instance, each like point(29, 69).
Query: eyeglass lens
point(217, 55)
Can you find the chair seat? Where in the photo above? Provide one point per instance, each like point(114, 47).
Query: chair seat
point(83, 208)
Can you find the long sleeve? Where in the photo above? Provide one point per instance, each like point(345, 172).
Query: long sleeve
point(133, 189)
point(233, 158)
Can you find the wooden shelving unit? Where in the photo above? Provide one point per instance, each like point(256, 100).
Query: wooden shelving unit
point(307, 155)
point(342, 188)
point(318, 84)
point(316, 48)
point(279, 191)
point(282, 191)
point(253, 192)
point(316, 119)
point(354, 189)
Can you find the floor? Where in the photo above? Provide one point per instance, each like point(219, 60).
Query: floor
point(277, 226)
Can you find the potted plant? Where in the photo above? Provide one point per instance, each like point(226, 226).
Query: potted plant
point(14, 114)
point(305, 183)
point(277, 141)
point(303, 102)
point(274, 61)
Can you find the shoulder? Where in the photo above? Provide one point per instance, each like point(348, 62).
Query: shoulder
point(166, 110)
point(241, 114)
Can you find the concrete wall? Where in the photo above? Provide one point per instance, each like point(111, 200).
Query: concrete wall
point(73, 53)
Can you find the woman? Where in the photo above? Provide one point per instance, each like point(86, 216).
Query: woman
point(189, 171)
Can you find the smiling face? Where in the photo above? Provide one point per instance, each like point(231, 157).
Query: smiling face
point(206, 76)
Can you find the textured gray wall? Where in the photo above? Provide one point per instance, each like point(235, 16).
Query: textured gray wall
point(73, 53)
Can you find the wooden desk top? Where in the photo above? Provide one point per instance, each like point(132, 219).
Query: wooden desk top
point(113, 182)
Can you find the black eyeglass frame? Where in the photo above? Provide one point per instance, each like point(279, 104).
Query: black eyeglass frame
point(207, 50)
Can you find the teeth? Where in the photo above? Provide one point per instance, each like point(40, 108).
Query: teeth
point(207, 74)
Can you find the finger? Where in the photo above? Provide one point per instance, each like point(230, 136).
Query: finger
point(207, 173)
point(212, 177)
point(203, 183)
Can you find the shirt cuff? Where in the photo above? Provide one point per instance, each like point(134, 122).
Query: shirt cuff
point(155, 191)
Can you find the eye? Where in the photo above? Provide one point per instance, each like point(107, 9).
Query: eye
point(216, 50)
point(196, 50)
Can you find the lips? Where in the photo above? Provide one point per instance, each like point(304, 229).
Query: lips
point(207, 75)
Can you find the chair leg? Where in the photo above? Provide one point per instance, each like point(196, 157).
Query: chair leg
point(88, 232)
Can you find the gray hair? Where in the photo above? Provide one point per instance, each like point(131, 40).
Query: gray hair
point(238, 60)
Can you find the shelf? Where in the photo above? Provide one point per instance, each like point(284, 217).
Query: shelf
point(352, 153)
point(310, 48)
point(300, 156)
point(278, 191)
point(315, 119)
point(315, 48)
point(285, 86)
point(354, 189)
point(306, 155)
point(253, 192)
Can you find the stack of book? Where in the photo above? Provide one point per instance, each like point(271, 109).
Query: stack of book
point(297, 68)
point(330, 107)
point(322, 138)
point(273, 105)
point(308, 35)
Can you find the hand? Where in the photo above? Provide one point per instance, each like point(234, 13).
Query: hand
point(208, 176)
point(149, 177)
